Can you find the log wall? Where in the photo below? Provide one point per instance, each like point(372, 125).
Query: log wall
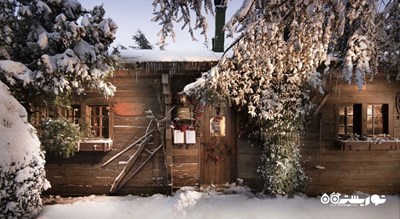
point(140, 87)
point(359, 169)
point(374, 171)
point(83, 174)
point(154, 85)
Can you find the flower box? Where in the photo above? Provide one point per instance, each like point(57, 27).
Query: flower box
point(356, 146)
point(103, 145)
point(385, 145)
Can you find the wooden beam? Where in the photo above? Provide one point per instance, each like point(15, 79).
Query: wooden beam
point(321, 104)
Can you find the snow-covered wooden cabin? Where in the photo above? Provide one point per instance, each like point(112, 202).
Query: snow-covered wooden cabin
point(167, 141)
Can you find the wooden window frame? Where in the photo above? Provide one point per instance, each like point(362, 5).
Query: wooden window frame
point(74, 114)
point(102, 131)
point(363, 126)
point(384, 117)
point(346, 116)
point(38, 113)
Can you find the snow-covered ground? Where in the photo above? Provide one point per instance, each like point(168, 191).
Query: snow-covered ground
point(192, 204)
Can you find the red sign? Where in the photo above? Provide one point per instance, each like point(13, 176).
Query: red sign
point(128, 109)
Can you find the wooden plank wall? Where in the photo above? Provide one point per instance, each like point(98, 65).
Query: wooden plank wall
point(375, 171)
point(185, 165)
point(345, 171)
point(83, 174)
point(248, 161)
point(138, 84)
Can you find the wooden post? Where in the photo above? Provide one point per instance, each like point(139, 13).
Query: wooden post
point(168, 134)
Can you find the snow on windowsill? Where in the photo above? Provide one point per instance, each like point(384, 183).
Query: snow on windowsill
point(99, 140)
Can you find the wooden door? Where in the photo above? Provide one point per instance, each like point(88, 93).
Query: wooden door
point(218, 148)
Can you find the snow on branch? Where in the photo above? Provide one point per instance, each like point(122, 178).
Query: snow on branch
point(239, 15)
point(168, 12)
point(358, 59)
point(62, 47)
point(15, 70)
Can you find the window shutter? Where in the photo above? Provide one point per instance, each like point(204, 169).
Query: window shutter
point(357, 118)
point(385, 115)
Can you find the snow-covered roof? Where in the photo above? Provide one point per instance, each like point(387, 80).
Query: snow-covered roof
point(169, 56)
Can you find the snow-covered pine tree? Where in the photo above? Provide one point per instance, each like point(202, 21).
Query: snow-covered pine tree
point(48, 48)
point(141, 41)
point(275, 64)
point(22, 174)
point(63, 45)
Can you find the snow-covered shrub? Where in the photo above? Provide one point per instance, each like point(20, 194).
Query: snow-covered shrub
point(60, 137)
point(281, 169)
point(22, 174)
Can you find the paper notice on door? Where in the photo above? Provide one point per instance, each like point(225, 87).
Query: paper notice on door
point(178, 137)
point(190, 137)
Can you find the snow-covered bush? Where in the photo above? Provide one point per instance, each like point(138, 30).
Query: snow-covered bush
point(22, 174)
point(60, 137)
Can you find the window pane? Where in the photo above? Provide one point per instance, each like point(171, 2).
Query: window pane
point(378, 130)
point(378, 121)
point(105, 117)
point(341, 110)
point(104, 111)
point(369, 110)
point(346, 118)
point(369, 125)
point(369, 120)
point(350, 120)
point(377, 110)
point(341, 130)
point(99, 122)
point(342, 120)
point(349, 110)
point(92, 111)
point(95, 121)
point(217, 126)
point(375, 119)
point(349, 130)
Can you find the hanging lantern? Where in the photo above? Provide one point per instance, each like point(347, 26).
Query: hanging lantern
point(184, 113)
